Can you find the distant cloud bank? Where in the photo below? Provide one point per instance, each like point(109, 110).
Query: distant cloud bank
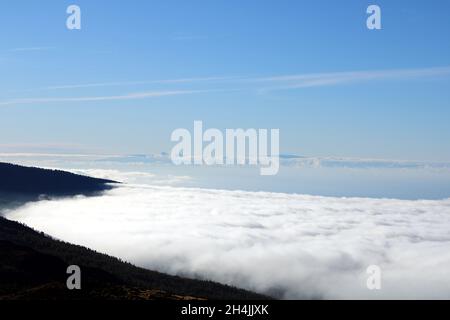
point(13, 152)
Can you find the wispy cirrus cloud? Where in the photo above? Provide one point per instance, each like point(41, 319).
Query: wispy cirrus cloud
point(338, 78)
point(28, 49)
point(132, 83)
point(240, 83)
point(49, 149)
point(183, 36)
point(132, 96)
point(189, 37)
point(292, 81)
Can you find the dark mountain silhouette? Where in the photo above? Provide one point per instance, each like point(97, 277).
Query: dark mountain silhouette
point(36, 182)
point(32, 275)
point(33, 265)
point(45, 260)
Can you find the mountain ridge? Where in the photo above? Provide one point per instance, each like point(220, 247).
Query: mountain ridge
point(32, 181)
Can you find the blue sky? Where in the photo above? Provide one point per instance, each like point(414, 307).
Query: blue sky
point(140, 69)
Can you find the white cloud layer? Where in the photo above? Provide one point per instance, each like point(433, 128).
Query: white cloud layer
point(290, 246)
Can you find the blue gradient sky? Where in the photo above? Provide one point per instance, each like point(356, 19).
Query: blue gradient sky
point(357, 93)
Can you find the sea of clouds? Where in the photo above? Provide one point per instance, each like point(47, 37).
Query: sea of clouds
point(286, 245)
